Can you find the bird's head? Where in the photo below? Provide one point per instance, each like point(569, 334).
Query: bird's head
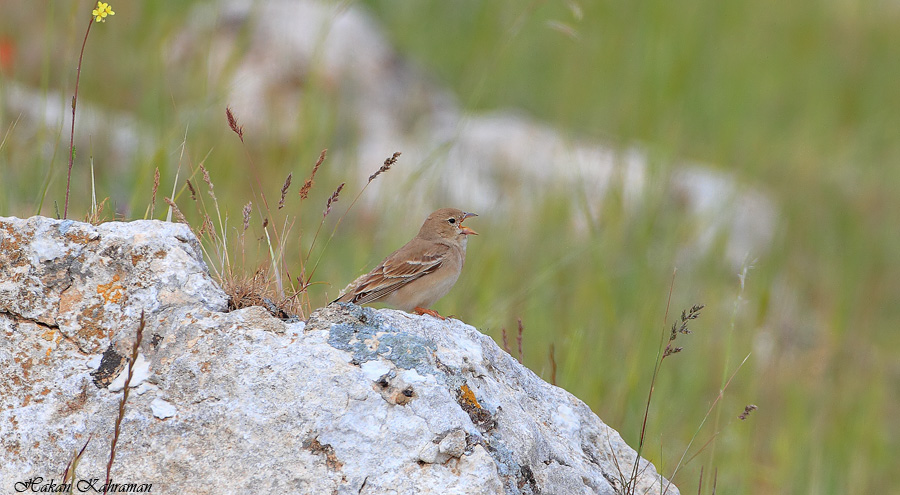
point(446, 223)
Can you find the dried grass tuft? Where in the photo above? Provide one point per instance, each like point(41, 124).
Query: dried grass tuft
point(307, 185)
point(747, 410)
point(686, 315)
point(191, 188)
point(233, 124)
point(245, 291)
point(178, 214)
point(284, 189)
point(387, 165)
point(333, 199)
point(96, 216)
point(208, 182)
point(153, 192)
point(245, 214)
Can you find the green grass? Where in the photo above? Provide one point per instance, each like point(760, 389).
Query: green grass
point(798, 98)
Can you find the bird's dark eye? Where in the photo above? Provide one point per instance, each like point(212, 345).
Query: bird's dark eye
point(451, 220)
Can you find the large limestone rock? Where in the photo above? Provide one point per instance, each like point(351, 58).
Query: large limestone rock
point(352, 401)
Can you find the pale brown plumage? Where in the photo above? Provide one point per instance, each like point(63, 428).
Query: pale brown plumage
point(422, 271)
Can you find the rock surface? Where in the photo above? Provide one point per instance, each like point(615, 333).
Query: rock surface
point(354, 400)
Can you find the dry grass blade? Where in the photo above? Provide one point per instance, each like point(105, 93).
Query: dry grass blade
point(700, 483)
point(519, 339)
point(552, 364)
point(134, 355)
point(68, 476)
point(709, 411)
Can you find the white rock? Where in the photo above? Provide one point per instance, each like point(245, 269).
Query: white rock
point(162, 409)
point(454, 444)
point(141, 373)
point(354, 400)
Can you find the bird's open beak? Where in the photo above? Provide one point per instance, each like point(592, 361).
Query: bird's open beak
point(466, 230)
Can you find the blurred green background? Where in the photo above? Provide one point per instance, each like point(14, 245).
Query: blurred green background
point(798, 98)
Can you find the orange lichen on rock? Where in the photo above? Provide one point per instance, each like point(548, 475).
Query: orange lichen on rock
point(111, 292)
point(466, 395)
point(80, 237)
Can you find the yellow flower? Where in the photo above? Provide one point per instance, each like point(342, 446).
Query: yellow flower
point(103, 9)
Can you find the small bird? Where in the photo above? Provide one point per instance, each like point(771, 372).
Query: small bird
point(415, 276)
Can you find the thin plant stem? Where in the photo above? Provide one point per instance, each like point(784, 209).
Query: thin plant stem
point(706, 417)
point(135, 349)
point(656, 368)
point(275, 262)
point(729, 342)
point(72, 134)
point(387, 164)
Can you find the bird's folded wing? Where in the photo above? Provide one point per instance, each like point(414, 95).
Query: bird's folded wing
point(397, 271)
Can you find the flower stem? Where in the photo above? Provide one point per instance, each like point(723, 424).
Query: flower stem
point(72, 135)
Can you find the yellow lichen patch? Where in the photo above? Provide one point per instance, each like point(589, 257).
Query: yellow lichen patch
point(52, 336)
point(480, 416)
point(466, 395)
point(111, 292)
